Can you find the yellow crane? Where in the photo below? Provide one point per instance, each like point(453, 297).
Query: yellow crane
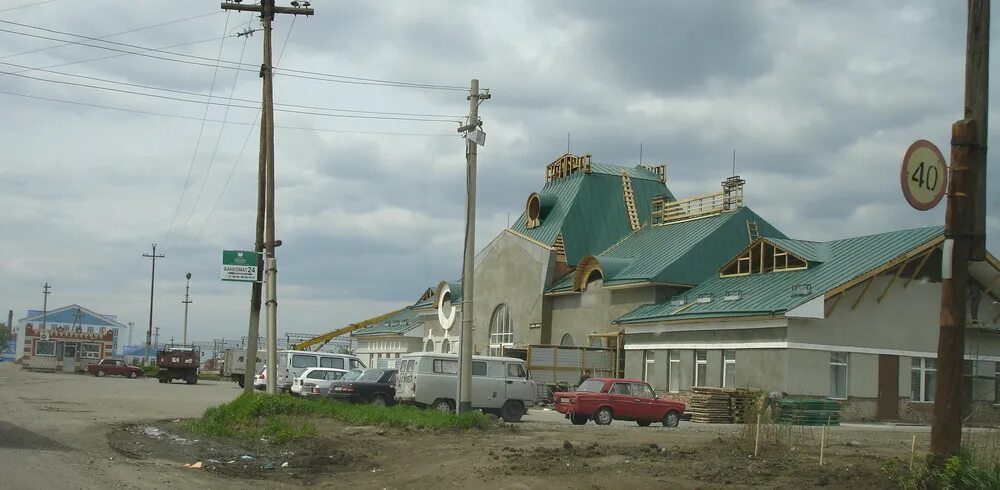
point(327, 337)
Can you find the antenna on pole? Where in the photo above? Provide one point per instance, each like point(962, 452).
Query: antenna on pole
point(734, 162)
point(640, 152)
point(567, 142)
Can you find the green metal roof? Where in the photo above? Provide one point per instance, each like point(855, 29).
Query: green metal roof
point(589, 209)
point(777, 292)
point(400, 323)
point(685, 253)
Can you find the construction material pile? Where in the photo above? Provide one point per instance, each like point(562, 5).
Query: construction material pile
point(809, 412)
point(720, 405)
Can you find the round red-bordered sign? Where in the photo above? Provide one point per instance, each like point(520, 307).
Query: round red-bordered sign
point(924, 175)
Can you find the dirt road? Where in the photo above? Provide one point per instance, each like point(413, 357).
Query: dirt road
point(85, 432)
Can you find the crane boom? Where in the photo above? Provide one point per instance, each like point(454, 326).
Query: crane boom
point(323, 339)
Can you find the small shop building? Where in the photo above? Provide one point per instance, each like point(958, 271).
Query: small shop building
point(67, 339)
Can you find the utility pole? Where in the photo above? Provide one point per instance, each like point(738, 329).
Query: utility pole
point(187, 301)
point(267, 10)
point(130, 325)
point(473, 138)
point(157, 338)
point(152, 283)
point(45, 304)
point(963, 233)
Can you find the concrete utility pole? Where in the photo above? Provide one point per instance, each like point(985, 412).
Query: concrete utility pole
point(156, 341)
point(130, 325)
point(152, 283)
point(964, 233)
point(472, 140)
point(267, 10)
point(187, 301)
point(46, 290)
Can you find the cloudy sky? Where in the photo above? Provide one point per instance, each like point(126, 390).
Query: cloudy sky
point(819, 100)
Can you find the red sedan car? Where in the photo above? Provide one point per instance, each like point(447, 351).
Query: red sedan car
point(607, 399)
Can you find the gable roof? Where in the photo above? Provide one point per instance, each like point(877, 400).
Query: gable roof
point(400, 323)
point(74, 314)
point(682, 253)
point(772, 292)
point(588, 209)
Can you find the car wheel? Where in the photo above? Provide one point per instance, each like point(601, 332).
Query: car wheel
point(671, 419)
point(379, 401)
point(100, 374)
point(132, 375)
point(191, 380)
point(604, 416)
point(643, 423)
point(578, 419)
point(443, 405)
point(511, 411)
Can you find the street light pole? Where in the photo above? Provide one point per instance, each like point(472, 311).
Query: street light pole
point(187, 301)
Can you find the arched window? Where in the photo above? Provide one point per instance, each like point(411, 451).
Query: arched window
point(445, 346)
point(597, 342)
point(567, 340)
point(429, 347)
point(501, 330)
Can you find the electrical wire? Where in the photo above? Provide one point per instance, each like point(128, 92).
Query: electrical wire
point(197, 144)
point(229, 65)
point(194, 118)
point(218, 139)
point(26, 69)
point(119, 33)
point(33, 4)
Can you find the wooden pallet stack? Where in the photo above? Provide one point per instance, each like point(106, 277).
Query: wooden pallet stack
point(720, 405)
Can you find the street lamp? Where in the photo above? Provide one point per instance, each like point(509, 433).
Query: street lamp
point(187, 301)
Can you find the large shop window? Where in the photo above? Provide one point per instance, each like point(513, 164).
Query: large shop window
point(45, 348)
point(700, 367)
point(923, 379)
point(90, 351)
point(501, 330)
point(728, 368)
point(838, 375)
point(674, 372)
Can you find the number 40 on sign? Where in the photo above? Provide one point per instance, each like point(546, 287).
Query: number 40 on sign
point(924, 175)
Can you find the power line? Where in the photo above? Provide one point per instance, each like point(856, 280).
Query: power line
point(193, 118)
point(200, 102)
point(33, 4)
point(119, 33)
point(218, 139)
point(232, 65)
point(201, 131)
point(26, 69)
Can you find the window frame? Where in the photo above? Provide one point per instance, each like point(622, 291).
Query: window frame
point(920, 369)
point(836, 363)
point(429, 346)
point(522, 372)
point(728, 367)
point(643, 387)
point(445, 346)
point(95, 352)
point(563, 340)
point(332, 360)
point(611, 390)
point(306, 356)
point(39, 343)
point(674, 363)
point(480, 372)
point(648, 360)
point(501, 331)
point(698, 365)
point(437, 366)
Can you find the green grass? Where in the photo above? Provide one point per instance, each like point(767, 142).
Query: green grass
point(957, 473)
point(255, 416)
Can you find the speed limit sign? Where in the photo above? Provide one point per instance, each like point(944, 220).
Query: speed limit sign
point(924, 176)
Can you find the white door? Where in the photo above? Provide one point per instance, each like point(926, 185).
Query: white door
point(69, 358)
point(518, 386)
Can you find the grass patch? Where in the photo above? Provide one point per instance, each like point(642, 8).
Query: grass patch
point(150, 371)
point(254, 416)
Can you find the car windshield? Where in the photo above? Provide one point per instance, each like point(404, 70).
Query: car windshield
point(371, 375)
point(591, 385)
point(352, 375)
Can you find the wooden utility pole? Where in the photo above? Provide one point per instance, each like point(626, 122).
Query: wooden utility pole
point(267, 11)
point(964, 234)
point(152, 283)
point(471, 129)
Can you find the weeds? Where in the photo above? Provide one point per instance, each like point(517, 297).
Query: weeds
point(773, 436)
point(255, 416)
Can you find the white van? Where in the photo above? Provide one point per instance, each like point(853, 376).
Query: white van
point(500, 385)
point(292, 363)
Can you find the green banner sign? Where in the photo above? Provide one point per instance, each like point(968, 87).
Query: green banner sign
point(239, 265)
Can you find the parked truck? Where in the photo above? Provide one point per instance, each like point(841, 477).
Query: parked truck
point(178, 362)
point(234, 364)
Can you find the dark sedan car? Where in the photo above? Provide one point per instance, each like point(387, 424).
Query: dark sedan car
point(375, 386)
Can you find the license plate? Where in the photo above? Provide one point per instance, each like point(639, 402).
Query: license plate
point(564, 400)
point(337, 388)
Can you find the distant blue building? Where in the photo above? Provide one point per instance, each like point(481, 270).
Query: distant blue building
point(75, 317)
